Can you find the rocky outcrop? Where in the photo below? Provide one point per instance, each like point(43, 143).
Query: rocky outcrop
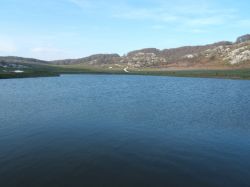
point(155, 57)
point(243, 38)
point(143, 59)
point(238, 55)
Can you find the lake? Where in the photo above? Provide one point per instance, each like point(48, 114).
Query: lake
point(124, 131)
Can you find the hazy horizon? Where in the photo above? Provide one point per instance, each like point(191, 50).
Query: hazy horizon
point(59, 29)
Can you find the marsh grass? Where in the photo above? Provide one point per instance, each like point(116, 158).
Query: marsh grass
point(41, 70)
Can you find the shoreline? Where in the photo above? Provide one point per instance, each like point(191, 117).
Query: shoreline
point(237, 74)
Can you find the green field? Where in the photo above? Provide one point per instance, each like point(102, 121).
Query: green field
point(41, 70)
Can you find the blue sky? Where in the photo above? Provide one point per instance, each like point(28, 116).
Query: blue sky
point(57, 29)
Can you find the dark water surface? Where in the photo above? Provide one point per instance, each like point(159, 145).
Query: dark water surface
point(131, 131)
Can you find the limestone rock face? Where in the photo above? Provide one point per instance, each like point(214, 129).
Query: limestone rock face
point(238, 55)
point(142, 59)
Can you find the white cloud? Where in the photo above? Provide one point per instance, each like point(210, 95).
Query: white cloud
point(184, 14)
point(181, 13)
point(181, 19)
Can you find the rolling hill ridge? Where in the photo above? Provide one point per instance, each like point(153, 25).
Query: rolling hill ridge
point(224, 55)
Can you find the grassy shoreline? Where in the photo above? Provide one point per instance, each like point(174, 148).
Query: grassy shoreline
point(51, 71)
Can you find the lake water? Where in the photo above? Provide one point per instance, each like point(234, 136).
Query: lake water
point(124, 131)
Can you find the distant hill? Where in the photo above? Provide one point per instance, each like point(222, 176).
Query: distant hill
point(13, 59)
point(243, 38)
point(219, 54)
point(96, 59)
